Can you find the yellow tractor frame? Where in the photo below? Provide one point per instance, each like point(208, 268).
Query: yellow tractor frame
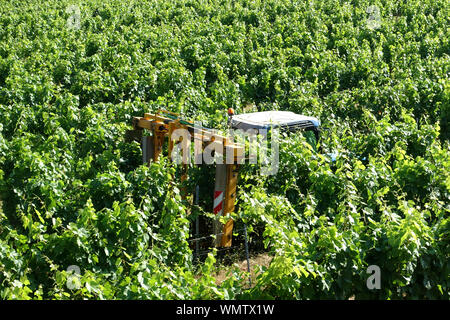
point(163, 124)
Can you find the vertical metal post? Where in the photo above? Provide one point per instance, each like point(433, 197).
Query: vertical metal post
point(159, 132)
point(247, 256)
point(230, 198)
point(197, 225)
point(219, 201)
point(147, 149)
point(224, 201)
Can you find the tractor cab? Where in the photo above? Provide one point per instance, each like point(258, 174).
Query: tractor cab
point(285, 121)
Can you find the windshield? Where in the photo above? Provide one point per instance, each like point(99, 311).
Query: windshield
point(310, 138)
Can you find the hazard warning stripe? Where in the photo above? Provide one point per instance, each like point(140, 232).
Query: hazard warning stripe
point(218, 201)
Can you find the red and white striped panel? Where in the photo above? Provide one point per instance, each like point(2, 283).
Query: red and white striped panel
point(218, 202)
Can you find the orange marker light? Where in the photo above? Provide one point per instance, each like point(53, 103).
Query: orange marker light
point(230, 111)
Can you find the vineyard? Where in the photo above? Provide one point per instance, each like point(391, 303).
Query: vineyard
point(75, 194)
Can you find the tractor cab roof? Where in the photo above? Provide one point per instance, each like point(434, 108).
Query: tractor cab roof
point(273, 119)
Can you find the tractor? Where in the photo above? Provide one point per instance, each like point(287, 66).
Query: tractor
point(209, 147)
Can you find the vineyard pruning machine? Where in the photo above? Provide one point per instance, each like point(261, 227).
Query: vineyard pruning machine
point(180, 132)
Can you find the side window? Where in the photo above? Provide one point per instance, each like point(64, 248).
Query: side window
point(310, 138)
